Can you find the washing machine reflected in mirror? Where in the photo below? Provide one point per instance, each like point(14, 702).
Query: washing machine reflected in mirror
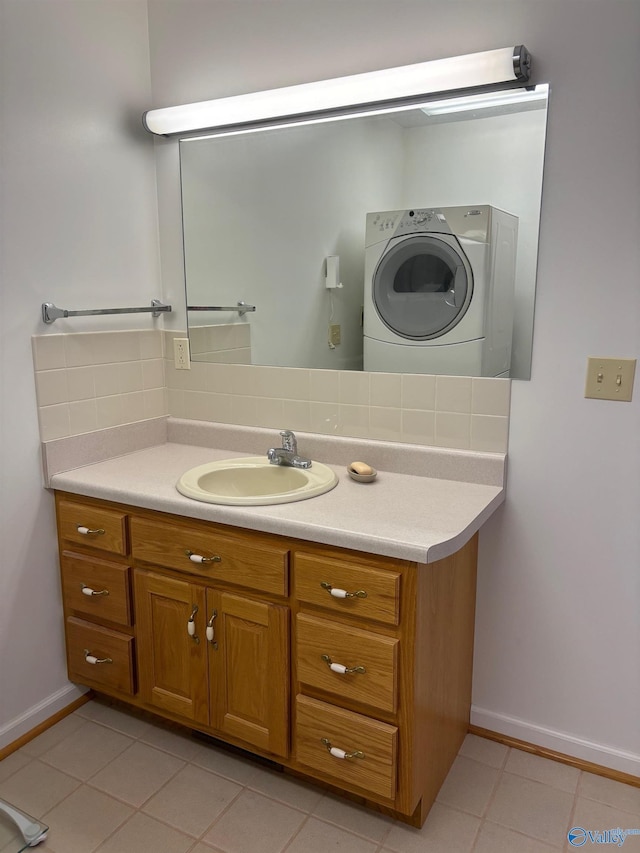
point(439, 290)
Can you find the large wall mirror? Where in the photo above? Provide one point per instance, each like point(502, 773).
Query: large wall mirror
point(405, 241)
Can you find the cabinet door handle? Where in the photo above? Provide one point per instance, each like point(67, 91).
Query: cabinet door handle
point(90, 531)
point(88, 591)
point(342, 593)
point(340, 753)
point(92, 659)
point(341, 668)
point(198, 558)
point(211, 630)
point(191, 625)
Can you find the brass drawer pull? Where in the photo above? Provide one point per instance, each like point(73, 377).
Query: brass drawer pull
point(198, 558)
point(340, 753)
point(90, 531)
point(191, 625)
point(88, 591)
point(211, 630)
point(92, 659)
point(342, 593)
point(341, 668)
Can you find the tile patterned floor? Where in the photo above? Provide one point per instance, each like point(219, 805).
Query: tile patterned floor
point(108, 782)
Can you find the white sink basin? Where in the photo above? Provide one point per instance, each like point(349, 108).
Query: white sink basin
point(253, 481)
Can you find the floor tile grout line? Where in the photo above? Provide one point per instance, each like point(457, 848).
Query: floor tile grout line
point(75, 790)
point(220, 815)
point(572, 815)
point(287, 846)
point(521, 834)
point(88, 778)
point(116, 830)
point(346, 829)
point(496, 822)
point(45, 813)
point(494, 793)
point(94, 787)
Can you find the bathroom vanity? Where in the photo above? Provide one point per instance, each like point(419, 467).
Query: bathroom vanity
point(348, 666)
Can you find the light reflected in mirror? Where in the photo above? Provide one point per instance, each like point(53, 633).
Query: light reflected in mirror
point(376, 242)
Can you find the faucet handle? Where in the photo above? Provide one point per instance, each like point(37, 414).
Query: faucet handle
point(289, 441)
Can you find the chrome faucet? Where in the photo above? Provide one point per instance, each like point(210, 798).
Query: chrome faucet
point(288, 453)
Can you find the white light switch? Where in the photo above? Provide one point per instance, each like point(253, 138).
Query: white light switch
point(610, 378)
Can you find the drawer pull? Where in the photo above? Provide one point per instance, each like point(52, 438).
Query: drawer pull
point(198, 558)
point(90, 531)
point(342, 593)
point(341, 668)
point(211, 630)
point(340, 753)
point(92, 659)
point(88, 591)
point(191, 625)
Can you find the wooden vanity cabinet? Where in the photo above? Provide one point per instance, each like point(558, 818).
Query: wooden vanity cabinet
point(346, 668)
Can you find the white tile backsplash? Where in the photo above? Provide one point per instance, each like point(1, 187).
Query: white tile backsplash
point(88, 381)
point(453, 394)
point(453, 429)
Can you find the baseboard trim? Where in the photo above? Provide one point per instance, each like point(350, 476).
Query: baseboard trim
point(40, 717)
point(585, 755)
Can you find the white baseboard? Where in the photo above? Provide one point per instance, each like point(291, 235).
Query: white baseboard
point(37, 714)
point(597, 753)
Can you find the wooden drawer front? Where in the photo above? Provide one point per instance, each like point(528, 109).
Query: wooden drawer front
point(382, 588)
point(243, 564)
point(106, 528)
point(344, 730)
point(350, 647)
point(109, 583)
point(103, 644)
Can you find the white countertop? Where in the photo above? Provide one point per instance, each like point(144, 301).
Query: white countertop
point(417, 518)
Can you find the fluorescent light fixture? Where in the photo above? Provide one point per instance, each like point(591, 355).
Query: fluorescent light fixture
point(407, 83)
point(486, 101)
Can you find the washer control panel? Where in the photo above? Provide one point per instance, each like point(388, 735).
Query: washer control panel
point(473, 223)
point(396, 223)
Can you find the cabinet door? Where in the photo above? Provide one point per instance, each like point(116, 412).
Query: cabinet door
point(172, 651)
point(249, 670)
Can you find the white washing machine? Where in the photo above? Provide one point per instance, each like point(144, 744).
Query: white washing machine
point(439, 285)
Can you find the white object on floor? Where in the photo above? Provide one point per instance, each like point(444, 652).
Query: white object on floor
point(32, 830)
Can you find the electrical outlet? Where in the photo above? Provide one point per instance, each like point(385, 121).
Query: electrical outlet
point(335, 335)
point(181, 358)
point(610, 378)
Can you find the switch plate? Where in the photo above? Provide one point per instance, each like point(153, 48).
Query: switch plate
point(335, 335)
point(181, 357)
point(610, 378)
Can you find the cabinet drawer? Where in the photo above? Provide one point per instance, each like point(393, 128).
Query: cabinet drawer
point(96, 588)
point(94, 527)
point(115, 649)
point(321, 643)
point(371, 593)
point(373, 771)
point(234, 561)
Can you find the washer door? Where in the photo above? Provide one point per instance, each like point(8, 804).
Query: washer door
point(422, 286)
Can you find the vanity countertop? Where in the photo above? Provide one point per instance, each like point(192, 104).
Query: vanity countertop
point(411, 517)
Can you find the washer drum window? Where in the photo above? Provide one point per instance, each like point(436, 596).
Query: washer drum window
point(422, 286)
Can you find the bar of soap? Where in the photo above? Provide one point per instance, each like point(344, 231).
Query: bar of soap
point(361, 468)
